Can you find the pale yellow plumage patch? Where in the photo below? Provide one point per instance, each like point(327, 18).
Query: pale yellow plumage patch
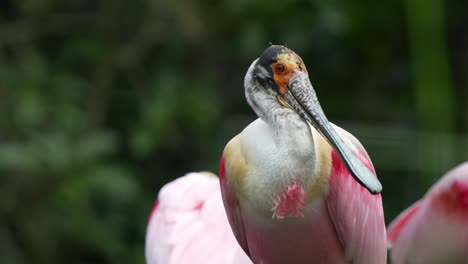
point(323, 167)
point(235, 164)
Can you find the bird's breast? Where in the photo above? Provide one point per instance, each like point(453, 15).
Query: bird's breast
point(280, 169)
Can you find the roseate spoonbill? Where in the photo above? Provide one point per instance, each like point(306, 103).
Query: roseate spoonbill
point(188, 225)
point(296, 193)
point(435, 228)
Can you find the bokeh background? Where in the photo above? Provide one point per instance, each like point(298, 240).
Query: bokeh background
point(104, 101)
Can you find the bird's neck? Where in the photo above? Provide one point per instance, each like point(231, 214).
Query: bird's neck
point(290, 163)
point(291, 131)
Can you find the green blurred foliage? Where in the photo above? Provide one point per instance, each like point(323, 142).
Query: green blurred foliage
point(102, 102)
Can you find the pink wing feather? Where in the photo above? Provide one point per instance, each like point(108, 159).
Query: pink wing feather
point(395, 228)
point(356, 214)
point(188, 225)
point(434, 230)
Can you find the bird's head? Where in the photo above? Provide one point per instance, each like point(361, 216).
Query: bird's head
point(280, 75)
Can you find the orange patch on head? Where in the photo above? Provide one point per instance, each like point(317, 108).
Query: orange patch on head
point(283, 69)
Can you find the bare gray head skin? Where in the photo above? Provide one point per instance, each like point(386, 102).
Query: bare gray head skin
point(281, 74)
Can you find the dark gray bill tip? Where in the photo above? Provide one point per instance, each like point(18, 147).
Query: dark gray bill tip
point(362, 174)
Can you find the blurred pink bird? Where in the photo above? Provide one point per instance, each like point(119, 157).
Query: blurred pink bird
point(296, 193)
point(435, 228)
point(188, 225)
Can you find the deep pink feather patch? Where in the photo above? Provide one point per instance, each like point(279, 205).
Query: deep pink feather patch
point(454, 200)
point(394, 232)
point(339, 167)
point(155, 208)
point(340, 170)
point(460, 188)
point(290, 202)
point(340, 174)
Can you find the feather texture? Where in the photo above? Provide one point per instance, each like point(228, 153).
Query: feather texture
point(434, 229)
point(188, 225)
point(357, 216)
point(338, 220)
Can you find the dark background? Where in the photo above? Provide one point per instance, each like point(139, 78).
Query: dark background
point(102, 102)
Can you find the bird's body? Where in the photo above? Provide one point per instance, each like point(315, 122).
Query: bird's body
point(288, 195)
point(188, 225)
point(435, 229)
point(289, 216)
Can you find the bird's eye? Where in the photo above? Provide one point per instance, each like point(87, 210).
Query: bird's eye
point(279, 68)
